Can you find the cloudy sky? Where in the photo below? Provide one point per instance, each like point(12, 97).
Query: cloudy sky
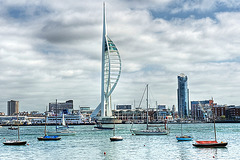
point(51, 50)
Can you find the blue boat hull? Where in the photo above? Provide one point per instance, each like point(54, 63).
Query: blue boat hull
point(184, 138)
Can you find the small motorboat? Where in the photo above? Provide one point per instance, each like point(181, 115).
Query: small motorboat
point(116, 138)
point(13, 128)
point(100, 127)
point(184, 138)
point(64, 132)
point(49, 138)
point(210, 144)
point(14, 142)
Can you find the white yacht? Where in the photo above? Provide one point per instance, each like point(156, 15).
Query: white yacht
point(156, 131)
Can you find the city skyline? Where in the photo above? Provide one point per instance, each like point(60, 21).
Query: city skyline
point(52, 50)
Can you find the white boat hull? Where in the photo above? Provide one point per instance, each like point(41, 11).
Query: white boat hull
point(61, 133)
point(150, 132)
point(116, 138)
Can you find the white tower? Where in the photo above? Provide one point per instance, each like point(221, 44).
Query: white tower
point(111, 70)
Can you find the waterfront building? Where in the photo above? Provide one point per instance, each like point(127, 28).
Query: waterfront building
point(24, 113)
point(84, 108)
point(219, 110)
point(140, 115)
point(12, 107)
point(233, 112)
point(161, 107)
point(12, 120)
point(183, 96)
point(69, 119)
point(61, 107)
point(126, 106)
point(110, 73)
point(202, 110)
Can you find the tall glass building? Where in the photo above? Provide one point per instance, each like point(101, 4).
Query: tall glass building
point(183, 96)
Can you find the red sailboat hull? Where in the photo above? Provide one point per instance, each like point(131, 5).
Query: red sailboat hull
point(210, 144)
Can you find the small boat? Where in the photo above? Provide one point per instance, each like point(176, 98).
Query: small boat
point(100, 127)
point(45, 137)
point(116, 138)
point(184, 138)
point(49, 138)
point(63, 130)
point(12, 128)
point(15, 142)
point(211, 144)
point(155, 131)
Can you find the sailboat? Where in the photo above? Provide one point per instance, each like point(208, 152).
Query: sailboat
point(45, 137)
point(115, 138)
point(211, 144)
point(147, 131)
point(183, 137)
point(15, 142)
point(99, 126)
point(62, 130)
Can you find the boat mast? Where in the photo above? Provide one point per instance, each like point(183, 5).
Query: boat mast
point(181, 127)
point(147, 106)
point(181, 122)
point(214, 122)
point(18, 128)
point(114, 122)
point(45, 131)
point(56, 115)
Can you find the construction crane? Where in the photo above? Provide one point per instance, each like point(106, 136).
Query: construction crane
point(203, 111)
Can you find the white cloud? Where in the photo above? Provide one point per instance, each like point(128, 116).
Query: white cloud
point(56, 53)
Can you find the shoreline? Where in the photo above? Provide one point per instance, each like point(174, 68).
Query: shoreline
point(42, 124)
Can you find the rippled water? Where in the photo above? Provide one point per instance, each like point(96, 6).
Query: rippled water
point(91, 144)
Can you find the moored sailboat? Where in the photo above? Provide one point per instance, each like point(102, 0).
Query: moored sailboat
point(115, 138)
point(211, 144)
point(45, 137)
point(183, 137)
point(99, 126)
point(62, 130)
point(15, 142)
point(148, 131)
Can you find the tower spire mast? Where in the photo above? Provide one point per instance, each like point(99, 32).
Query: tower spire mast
point(103, 64)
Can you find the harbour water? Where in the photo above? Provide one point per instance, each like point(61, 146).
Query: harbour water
point(91, 144)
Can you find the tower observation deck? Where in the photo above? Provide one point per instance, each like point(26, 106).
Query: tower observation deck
point(111, 70)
